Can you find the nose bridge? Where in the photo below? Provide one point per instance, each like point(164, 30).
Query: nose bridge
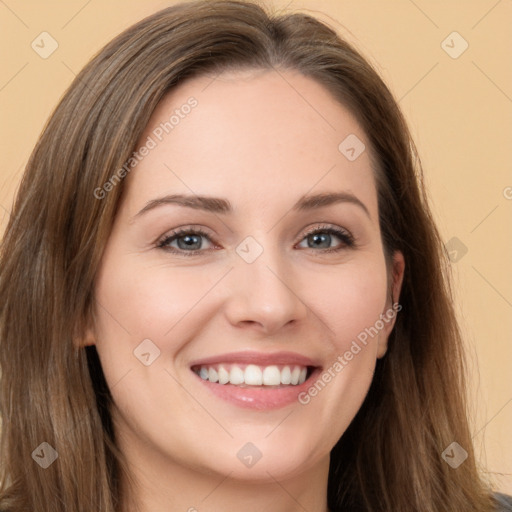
point(262, 282)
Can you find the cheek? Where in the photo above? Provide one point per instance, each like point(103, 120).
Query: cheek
point(350, 304)
point(148, 301)
point(350, 301)
point(138, 302)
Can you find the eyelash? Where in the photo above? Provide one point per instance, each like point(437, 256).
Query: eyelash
point(348, 241)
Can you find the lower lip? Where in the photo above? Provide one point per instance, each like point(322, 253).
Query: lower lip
point(259, 397)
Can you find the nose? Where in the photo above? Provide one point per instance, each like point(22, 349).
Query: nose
point(262, 295)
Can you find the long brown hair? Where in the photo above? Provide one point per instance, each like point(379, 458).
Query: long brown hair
point(52, 391)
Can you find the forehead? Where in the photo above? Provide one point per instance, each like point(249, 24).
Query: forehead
point(258, 137)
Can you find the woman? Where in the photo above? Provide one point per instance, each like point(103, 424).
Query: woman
point(223, 286)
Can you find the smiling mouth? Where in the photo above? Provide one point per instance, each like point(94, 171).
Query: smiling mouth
point(252, 375)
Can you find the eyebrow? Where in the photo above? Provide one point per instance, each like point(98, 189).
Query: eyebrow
point(223, 206)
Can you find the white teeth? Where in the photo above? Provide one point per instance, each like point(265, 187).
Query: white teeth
point(236, 375)
point(213, 376)
point(271, 376)
point(254, 375)
point(295, 376)
point(223, 375)
point(286, 375)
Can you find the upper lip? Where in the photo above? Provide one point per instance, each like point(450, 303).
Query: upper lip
point(257, 358)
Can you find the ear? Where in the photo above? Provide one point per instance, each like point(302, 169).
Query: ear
point(392, 308)
point(85, 340)
point(84, 334)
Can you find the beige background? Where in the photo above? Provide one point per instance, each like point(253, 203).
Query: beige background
point(459, 110)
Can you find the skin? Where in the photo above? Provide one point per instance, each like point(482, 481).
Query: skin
point(260, 139)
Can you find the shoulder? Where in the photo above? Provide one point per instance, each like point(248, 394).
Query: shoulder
point(503, 501)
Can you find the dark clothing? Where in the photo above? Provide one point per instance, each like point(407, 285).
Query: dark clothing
point(505, 502)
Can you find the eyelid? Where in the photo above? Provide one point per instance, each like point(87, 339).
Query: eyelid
point(325, 227)
point(182, 230)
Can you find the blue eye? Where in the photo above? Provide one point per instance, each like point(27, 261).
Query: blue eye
point(189, 240)
point(323, 235)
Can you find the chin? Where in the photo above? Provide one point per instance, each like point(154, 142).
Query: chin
point(264, 460)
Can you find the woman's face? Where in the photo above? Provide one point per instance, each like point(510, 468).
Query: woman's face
point(206, 337)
